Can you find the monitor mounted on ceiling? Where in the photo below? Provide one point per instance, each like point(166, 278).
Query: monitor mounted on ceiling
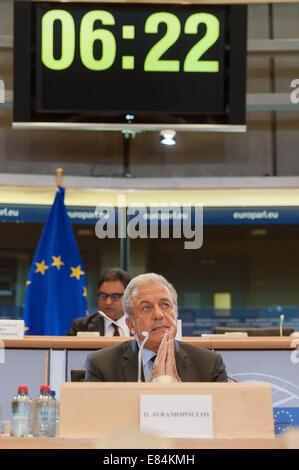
point(129, 66)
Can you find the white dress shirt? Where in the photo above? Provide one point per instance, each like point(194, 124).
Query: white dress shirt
point(147, 363)
point(146, 359)
point(123, 330)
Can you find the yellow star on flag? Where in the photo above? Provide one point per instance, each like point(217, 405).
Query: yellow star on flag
point(76, 272)
point(84, 292)
point(28, 283)
point(57, 262)
point(41, 267)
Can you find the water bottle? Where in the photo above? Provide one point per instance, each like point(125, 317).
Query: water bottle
point(21, 414)
point(44, 411)
point(53, 396)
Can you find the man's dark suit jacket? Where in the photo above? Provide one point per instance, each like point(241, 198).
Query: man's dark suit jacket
point(93, 322)
point(120, 364)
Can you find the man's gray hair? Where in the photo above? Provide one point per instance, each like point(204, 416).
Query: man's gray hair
point(142, 280)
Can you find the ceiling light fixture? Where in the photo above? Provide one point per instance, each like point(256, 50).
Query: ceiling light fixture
point(168, 137)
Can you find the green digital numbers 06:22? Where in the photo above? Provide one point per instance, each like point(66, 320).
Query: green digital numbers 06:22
point(153, 62)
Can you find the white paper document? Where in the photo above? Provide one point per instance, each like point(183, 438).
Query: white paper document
point(177, 415)
point(12, 329)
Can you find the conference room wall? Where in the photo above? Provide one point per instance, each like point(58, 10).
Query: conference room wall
point(286, 20)
point(258, 271)
point(200, 154)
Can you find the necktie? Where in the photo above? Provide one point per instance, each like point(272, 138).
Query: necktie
point(116, 330)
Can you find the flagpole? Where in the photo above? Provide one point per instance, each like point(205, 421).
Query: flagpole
point(59, 172)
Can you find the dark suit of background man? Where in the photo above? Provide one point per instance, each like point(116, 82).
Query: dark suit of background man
point(110, 292)
point(150, 303)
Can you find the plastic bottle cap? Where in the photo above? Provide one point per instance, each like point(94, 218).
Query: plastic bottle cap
point(45, 388)
point(23, 389)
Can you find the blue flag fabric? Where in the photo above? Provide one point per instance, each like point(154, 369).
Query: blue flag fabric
point(55, 292)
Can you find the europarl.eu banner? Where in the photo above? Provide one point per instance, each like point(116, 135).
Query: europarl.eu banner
point(55, 292)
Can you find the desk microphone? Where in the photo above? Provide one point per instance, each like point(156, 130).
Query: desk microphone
point(146, 335)
point(112, 321)
point(281, 322)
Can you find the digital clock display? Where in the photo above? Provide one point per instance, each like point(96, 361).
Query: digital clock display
point(131, 63)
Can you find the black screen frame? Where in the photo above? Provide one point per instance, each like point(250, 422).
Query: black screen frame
point(26, 116)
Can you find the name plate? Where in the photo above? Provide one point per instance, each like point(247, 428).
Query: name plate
point(88, 333)
point(177, 415)
point(12, 329)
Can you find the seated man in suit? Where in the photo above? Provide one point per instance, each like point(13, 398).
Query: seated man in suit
point(109, 320)
point(150, 303)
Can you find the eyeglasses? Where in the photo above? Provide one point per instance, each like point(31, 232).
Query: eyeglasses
point(114, 297)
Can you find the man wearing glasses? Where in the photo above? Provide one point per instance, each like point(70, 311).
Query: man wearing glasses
point(109, 320)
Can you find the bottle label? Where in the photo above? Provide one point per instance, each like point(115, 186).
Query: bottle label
point(45, 421)
point(21, 424)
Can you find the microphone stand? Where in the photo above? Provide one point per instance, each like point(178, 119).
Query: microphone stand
point(145, 334)
point(281, 322)
point(112, 321)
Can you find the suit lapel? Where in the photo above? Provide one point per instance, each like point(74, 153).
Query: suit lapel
point(97, 324)
point(101, 325)
point(129, 363)
point(182, 363)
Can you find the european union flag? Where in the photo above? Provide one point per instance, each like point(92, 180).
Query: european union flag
point(285, 419)
point(56, 292)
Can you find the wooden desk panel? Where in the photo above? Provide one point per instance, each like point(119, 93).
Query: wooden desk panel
point(74, 351)
point(74, 342)
point(62, 443)
point(240, 410)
